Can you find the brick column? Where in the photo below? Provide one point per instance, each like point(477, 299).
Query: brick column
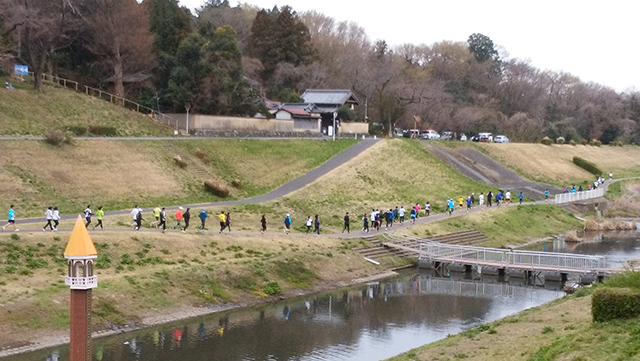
point(80, 344)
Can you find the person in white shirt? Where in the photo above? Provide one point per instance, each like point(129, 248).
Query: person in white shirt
point(87, 215)
point(507, 197)
point(134, 215)
point(48, 214)
point(56, 218)
point(427, 209)
point(481, 200)
point(401, 214)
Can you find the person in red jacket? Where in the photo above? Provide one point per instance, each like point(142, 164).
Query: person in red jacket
point(178, 218)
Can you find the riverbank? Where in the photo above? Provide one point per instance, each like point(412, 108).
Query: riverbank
point(560, 330)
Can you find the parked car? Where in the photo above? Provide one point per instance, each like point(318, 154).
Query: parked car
point(411, 133)
point(463, 138)
point(430, 134)
point(446, 135)
point(398, 132)
point(475, 138)
point(501, 139)
point(485, 137)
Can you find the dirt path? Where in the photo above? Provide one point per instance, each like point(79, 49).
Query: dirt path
point(483, 169)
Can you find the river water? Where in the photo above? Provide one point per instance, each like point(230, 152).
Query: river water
point(365, 322)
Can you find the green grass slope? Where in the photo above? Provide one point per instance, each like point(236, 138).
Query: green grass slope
point(24, 111)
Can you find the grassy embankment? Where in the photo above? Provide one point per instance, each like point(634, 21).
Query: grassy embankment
point(118, 174)
point(553, 163)
point(25, 111)
point(624, 199)
point(560, 330)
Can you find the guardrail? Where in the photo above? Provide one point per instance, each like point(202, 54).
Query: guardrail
point(112, 98)
point(578, 196)
point(511, 258)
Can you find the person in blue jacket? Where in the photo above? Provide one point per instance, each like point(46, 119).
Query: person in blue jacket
point(203, 216)
point(287, 224)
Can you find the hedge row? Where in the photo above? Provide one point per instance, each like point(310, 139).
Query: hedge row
point(612, 303)
point(97, 130)
point(588, 166)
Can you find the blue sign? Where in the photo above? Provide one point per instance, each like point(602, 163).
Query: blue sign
point(21, 70)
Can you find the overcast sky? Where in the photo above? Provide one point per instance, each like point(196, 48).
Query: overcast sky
point(596, 41)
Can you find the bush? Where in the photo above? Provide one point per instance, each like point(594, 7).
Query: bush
point(612, 303)
point(584, 142)
point(272, 288)
point(588, 166)
point(595, 142)
point(560, 140)
point(105, 131)
point(181, 163)
point(216, 188)
point(54, 137)
point(77, 130)
point(546, 141)
point(572, 142)
point(237, 184)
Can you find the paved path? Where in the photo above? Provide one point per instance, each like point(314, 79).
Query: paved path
point(481, 168)
point(285, 189)
point(33, 137)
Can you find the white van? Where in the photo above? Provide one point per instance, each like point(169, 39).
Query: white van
point(430, 134)
point(485, 137)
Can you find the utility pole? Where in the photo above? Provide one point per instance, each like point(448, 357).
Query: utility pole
point(187, 107)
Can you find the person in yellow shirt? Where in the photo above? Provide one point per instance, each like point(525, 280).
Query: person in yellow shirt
point(460, 201)
point(223, 221)
point(156, 213)
point(99, 215)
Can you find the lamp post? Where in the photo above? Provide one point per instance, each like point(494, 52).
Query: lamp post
point(187, 107)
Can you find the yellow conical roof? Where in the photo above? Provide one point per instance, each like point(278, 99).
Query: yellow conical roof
point(80, 244)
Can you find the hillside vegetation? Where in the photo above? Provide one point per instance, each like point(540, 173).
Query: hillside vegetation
point(25, 111)
point(118, 174)
point(553, 163)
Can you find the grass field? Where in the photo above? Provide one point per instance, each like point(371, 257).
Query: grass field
point(24, 111)
point(118, 174)
point(553, 163)
point(506, 226)
point(560, 330)
point(142, 273)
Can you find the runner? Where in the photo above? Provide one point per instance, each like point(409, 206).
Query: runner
point(365, 223)
point(187, 217)
point(316, 224)
point(287, 224)
point(427, 209)
point(413, 216)
point(139, 219)
point(203, 217)
point(87, 215)
point(346, 223)
point(489, 196)
point(134, 215)
point(56, 218)
point(520, 197)
point(468, 203)
point(263, 223)
point(481, 199)
point(156, 214)
point(48, 214)
point(507, 196)
point(227, 222)
point(223, 221)
point(178, 218)
point(309, 224)
point(460, 202)
point(11, 219)
point(546, 193)
point(401, 214)
point(163, 220)
point(99, 217)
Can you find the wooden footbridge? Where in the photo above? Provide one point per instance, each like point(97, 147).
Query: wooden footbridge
point(426, 249)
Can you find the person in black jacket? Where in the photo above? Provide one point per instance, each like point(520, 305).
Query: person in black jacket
point(346, 223)
point(186, 216)
point(316, 224)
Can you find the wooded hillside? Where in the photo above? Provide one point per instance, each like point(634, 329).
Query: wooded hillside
point(227, 60)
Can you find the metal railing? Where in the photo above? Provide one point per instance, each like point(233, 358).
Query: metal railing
point(81, 283)
point(511, 258)
point(112, 98)
point(578, 196)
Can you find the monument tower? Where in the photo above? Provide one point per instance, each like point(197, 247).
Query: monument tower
point(81, 255)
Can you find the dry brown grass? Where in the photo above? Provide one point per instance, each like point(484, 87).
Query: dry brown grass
point(216, 187)
point(608, 225)
point(554, 162)
point(572, 237)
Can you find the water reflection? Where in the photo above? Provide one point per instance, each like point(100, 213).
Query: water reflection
point(367, 322)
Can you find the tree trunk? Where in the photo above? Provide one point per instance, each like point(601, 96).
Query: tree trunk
point(37, 81)
point(118, 75)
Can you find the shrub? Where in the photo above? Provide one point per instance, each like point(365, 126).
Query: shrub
point(584, 142)
point(15, 237)
point(612, 303)
point(237, 184)
point(216, 188)
point(200, 154)
point(572, 142)
point(102, 130)
point(272, 288)
point(560, 140)
point(181, 163)
point(77, 130)
point(595, 142)
point(588, 166)
point(572, 236)
point(546, 141)
point(54, 137)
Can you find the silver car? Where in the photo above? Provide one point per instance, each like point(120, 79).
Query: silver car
point(501, 139)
